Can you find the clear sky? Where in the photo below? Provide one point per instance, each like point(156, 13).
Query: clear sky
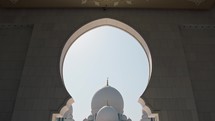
point(100, 53)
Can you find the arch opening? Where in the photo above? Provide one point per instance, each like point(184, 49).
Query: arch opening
point(93, 26)
point(103, 22)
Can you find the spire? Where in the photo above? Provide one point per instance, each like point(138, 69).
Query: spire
point(107, 103)
point(107, 82)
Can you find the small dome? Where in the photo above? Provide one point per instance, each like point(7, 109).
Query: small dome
point(124, 118)
point(90, 118)
point(85, 119)
point(107, 113)
point(106, 95)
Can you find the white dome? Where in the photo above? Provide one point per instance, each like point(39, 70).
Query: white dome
point(124, 118)
point(106, 95)
point(90, 118)
point(107, 113)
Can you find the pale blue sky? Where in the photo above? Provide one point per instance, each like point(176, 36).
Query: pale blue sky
point(100, 53)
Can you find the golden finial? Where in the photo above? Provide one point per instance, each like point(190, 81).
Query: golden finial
point(107, 103)
point(107, 82)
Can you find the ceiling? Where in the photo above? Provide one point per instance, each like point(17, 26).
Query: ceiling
point(160, 4)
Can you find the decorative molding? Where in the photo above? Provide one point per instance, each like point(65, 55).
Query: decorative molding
point(147, 114)
point(15, 25)
point(197, 26)
point(66, 112)
point(197, 2)
point(107, 2)
point(14, 1)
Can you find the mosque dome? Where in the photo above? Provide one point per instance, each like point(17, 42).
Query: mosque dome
point(124, 118)
point(106, 95)
point(107, 113)
point(90, 118)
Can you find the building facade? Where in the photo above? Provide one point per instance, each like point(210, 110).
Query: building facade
point(181, 43)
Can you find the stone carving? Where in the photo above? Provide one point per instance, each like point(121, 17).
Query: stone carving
point(197, 26)
point(108, 2)
point(197, 2)
point(14, 1)
point(66, 113)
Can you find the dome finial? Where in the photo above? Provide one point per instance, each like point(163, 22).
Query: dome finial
point(107, 82)
point(107, 103)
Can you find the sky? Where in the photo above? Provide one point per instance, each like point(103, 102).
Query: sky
point(101, 53)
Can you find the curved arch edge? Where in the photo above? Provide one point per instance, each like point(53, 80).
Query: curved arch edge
point(102, 22)
point(65, 112)
point(146, 111)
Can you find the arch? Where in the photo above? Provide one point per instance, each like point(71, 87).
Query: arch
point(115, 23)
point(102, 22)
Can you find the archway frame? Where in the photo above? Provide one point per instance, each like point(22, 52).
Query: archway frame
point(103, 22)
point(122, 26)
